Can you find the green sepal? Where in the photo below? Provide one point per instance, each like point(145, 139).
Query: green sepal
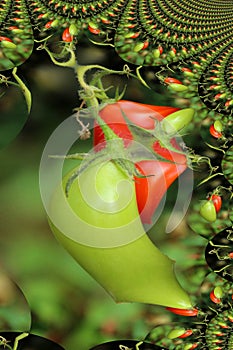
point(148, 137)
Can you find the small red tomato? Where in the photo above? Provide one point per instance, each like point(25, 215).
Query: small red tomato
point(186, 334)
point(217, 200)
point(12, 28)
point(184, 69)
point(48, 24)
point(4, 38)
point(214, 132)
point(160, 49)
point(183, 312)
point(93, 29)
point(213, 298)
point(66, 36)
point(146, 44)
point(170, 80)
point(194, 346)
point(135, 35)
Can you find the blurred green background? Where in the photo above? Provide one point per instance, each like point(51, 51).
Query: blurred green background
point(66, 304)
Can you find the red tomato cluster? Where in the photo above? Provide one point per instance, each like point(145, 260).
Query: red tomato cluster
point(160, 174)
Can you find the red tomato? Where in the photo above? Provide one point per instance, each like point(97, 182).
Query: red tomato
point(48, 24)
point(151, 189)
point(93, 30)
point(4, 38)
point(66, 36)
point(214, 298)
point(183, 312)
point(170, 80)
point(186, 334)
point(145, 45)
point(217, 201)
point(214, 132)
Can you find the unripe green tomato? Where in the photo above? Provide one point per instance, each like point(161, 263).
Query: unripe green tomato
point(175, 333)
point(176, 121)
point(55, 23)
point(156, 53)
point(178, 87)
point(103, 197)
point(73, 29)
point(208, 211)
point(189, 346)
point(17, 30)
point(138, 47)
point(8, 44)
point(218, 126)
point(218, 292)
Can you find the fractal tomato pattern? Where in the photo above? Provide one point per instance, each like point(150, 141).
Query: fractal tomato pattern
point(207, 327)
point(194, 35)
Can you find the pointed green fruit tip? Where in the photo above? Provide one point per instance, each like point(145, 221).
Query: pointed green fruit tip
point(178, 120)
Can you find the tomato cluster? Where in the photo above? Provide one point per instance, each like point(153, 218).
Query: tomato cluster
point(101, 226)
point(159, 173)
point(211, 207)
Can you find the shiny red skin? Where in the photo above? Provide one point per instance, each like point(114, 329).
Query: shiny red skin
point(95, 31)
point(66, 36)
point(186, 334)
point(216, 134)
point(170, 80)
point(217, 201)
point(183, 312)
point(4, 38)
point(213, 298)
point(149, 190)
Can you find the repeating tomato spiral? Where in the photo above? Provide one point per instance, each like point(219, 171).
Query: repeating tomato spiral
point(195, 35)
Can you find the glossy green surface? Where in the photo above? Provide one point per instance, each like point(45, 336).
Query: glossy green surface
point(133, 272)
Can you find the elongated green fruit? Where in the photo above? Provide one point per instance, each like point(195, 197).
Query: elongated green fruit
point(178, 120)
point(104, 199)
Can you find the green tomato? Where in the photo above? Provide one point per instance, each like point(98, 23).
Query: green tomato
point(178, 87)
point(175, 333)
point(73, 29)
point(8, 44)
point(156, 53)
point(208, 211)
point(218, 292)
point(218, 126)
point(104, 199)
point(178, 120)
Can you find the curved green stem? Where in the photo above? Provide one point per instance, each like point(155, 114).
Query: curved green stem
point(70, 63)
point(91, 93)
point(90, 98)
point(18, 338)
point(209, 178)
point(26, 92)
